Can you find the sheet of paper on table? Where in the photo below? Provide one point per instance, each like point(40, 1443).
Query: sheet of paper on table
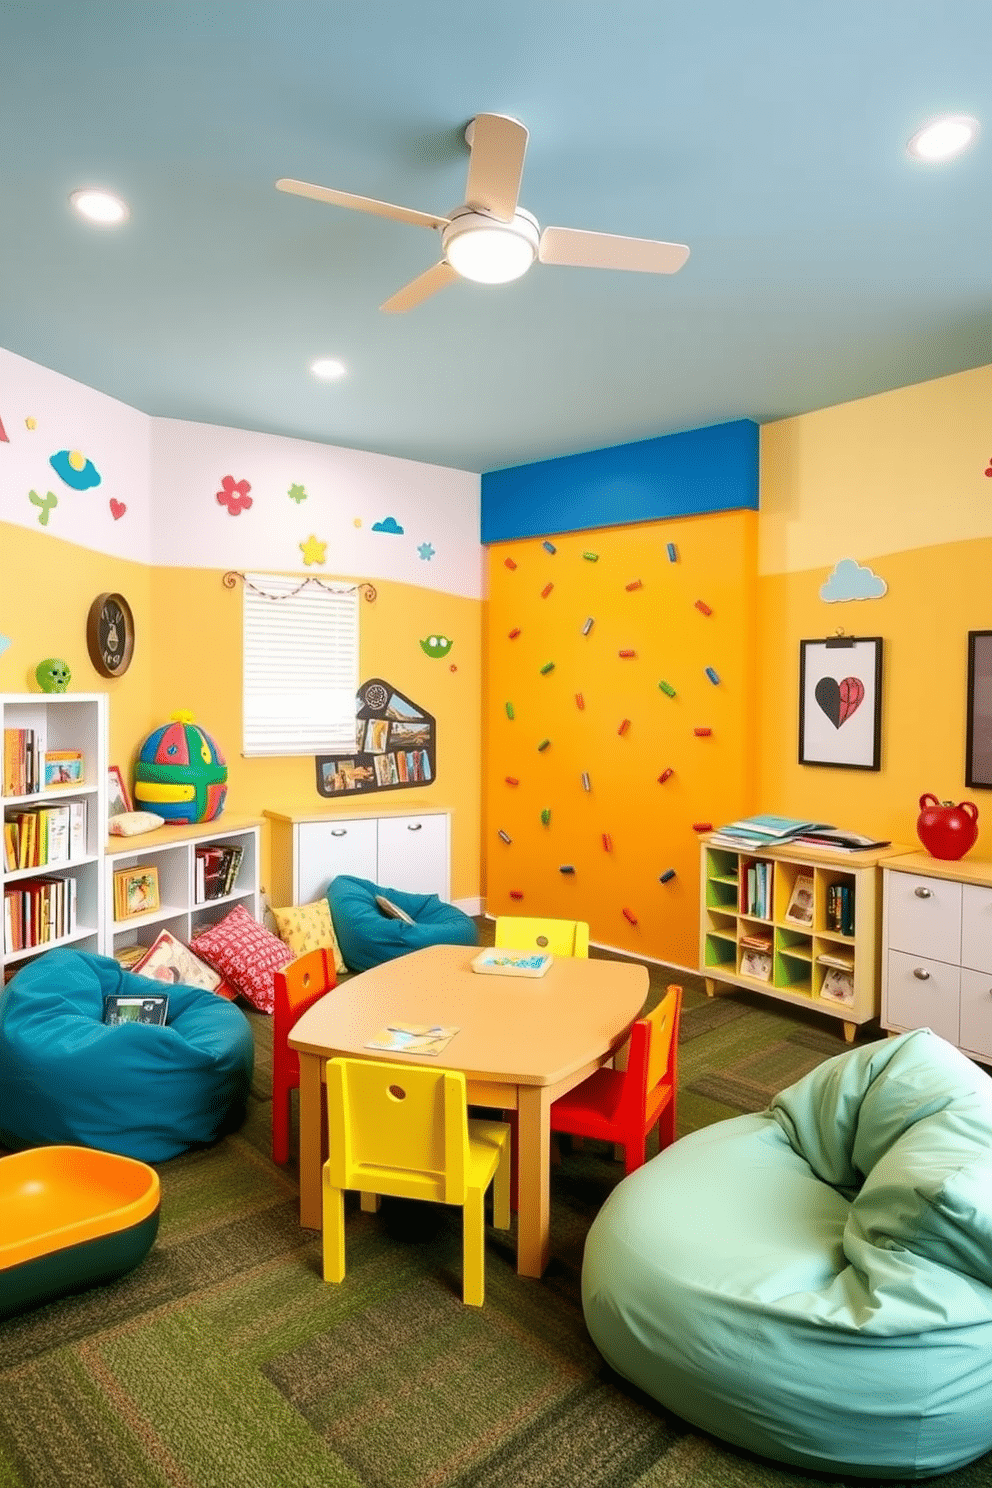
point(413, 1038)
point(495, 962)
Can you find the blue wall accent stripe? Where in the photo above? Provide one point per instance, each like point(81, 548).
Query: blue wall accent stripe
point(676, 475)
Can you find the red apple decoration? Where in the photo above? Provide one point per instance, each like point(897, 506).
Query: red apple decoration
point(946, 830)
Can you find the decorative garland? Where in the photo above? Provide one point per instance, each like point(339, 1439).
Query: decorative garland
point(367, 590)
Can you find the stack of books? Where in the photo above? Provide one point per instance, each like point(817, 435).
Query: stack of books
point(216, 871)
point(757, 832)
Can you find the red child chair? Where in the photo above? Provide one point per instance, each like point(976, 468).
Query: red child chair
point(297, 987)
point(621, 1106)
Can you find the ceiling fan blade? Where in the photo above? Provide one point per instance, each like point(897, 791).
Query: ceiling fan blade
point(421, 288)
point(360, 203)
point(592, 250)
point(496, 164)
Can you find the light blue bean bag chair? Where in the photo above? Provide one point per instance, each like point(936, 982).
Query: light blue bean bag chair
point(139, 1090)
point(814, 1283)
point(368, 937)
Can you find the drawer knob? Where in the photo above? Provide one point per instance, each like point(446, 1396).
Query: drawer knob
point(921, 974)
point(922, 893)
point(339, 831)
point(414, 826)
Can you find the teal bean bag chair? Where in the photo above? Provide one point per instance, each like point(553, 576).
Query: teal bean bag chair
point(814, 1283)
point(367, 936)
point(135, 1089)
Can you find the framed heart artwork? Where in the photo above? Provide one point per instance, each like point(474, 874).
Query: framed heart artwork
point(840, 702)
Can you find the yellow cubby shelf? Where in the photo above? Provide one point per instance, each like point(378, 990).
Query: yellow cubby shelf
point(785, 921)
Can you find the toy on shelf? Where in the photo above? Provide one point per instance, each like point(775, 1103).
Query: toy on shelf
point(947, 831)
point(53, 674)
point(180, 774)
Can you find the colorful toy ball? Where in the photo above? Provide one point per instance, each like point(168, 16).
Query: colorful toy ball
point(181, 774)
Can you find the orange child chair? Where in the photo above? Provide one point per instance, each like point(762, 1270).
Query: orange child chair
point(297, 987)
point(403, 1130)
point(621, 1106)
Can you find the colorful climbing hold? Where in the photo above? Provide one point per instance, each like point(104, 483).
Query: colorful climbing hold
point(580, 701)
point(514, 633)
point(505, 835)
point(712, 676)
point(625, 725)
point(667, 876)
point(607, 842)
point(591, 557)
point(635, 584)
point(509, 710)
point(509, 563)
point(665, 775)
point(627, 653)
point(703, 607)
point(586, 785)
point(548, 666)
point(667, 689)
point(549, 547)
point(545, 816)
point(673, 553)
point(588, 625)
point(702, 733)
point(546, 590)
point(543, 745)
point(516, 893)
point(702, 826)
point(511, 779)
point(566, 868)
point(629, 914)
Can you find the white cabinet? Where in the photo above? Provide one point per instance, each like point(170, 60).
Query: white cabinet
point(55, 896)
point(406, 852)
point(937, 950)
point(171, 851)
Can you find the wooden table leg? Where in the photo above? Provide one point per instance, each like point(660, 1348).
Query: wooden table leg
point(311, 1141)
point(534, 1197)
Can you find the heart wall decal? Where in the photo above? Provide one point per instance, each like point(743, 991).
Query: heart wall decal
point(117, 509)
point(839, 700)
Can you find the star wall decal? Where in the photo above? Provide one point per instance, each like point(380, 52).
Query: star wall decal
point(313, 551)
point(426, 551)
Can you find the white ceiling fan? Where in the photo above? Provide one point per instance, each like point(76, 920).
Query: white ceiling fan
point(490, 238)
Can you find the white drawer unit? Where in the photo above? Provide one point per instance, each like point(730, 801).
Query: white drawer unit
point(937, 950)
point(408, 852)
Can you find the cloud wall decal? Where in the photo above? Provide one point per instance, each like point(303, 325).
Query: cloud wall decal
point(852, 580)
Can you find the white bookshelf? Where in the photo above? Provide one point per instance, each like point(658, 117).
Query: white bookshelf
point(59, 721)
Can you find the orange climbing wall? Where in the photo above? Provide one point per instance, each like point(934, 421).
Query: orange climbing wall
point(628, 731)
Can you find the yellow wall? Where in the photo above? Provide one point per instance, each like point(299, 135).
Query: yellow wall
point(896, 482)
point(188, 656)
point(651, 825)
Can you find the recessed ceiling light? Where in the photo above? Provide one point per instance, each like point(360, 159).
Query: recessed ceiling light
point(101, 207)
point(944, 138)
point(329, 368)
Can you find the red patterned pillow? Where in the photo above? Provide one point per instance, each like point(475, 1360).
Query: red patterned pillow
point(245, 954)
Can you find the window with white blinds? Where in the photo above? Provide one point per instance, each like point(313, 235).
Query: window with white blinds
point(300, 665)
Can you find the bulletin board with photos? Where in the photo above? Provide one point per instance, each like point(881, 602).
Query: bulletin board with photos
point(395, 746)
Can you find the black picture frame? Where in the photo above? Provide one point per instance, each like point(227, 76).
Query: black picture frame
point(840, 702)
point(978, 749)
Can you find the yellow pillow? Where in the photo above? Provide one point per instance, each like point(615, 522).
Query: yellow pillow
point(309, 927)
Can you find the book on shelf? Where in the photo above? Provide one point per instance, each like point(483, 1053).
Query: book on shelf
point(38, 912)
point(840, 908)
point(63, 767)
point(841, 841)
point(23, 761)
point(799, 910)
point(756, 942)
point(838, 986)
point(135, 891)
point(216, 871)
point(497, 962)
point(120, 1008)
point(757, 964)
point(413, 1038)
point(843, 960)
point(755, 890)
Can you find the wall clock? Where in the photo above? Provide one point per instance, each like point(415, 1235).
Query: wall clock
point(110, 634)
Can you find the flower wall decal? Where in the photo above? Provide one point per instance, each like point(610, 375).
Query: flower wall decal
point(234, 495)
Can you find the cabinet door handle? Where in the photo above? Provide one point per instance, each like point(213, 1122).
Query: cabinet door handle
point(921, 974)
point(339, 831)
point(922, 893)
point(414, 826)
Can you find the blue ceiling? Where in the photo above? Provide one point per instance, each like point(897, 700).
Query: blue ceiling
point(770, 137)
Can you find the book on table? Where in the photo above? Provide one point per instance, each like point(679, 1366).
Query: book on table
point(413, 1038)
point(497, 962)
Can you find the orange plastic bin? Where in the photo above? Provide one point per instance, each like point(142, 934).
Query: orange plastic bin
point(71, 1218)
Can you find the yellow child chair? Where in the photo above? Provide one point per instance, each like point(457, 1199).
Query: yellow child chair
point(558, 937)
point(402, 1130)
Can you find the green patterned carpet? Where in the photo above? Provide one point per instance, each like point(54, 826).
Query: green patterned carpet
point(225, 1362)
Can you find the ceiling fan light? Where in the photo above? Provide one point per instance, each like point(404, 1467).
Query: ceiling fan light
point(944, 138)
point(489, 252)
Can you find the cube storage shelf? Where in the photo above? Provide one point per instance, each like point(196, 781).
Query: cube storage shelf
point(746, 895)
point(172, 851)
